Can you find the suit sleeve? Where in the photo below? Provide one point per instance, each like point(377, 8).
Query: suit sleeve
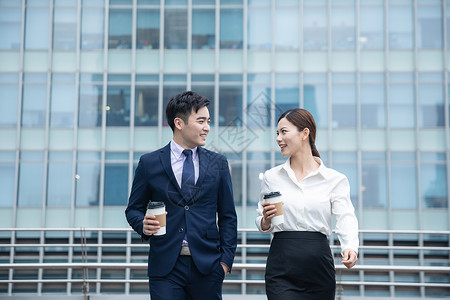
point(227, 219)
point(139, 198)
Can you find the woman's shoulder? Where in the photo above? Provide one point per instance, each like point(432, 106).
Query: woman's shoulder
point(333, 174)
point(274, 171)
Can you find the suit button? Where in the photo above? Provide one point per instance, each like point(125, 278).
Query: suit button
point(181, 230)
point(186, 207)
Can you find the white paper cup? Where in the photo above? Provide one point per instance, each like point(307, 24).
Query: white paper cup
point(158, 209)
point(275, 199)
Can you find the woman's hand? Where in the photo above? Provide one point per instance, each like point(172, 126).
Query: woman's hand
point(350, 258)
point(269, 211)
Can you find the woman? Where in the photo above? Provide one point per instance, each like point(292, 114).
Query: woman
point(300, 264)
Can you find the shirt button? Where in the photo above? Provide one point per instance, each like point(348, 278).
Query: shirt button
point(186, 207)
point(181, 229)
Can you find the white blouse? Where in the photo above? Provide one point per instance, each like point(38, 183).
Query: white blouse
point(310, 203)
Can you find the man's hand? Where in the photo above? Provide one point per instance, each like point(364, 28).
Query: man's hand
point(350, 258)
point(151, 225)
point(225, 268)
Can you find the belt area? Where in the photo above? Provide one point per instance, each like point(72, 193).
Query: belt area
point(185, 251)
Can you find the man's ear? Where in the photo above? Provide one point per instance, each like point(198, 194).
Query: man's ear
point(179, 123)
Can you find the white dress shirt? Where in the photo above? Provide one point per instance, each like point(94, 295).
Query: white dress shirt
point(177, 159)
point(310, 203)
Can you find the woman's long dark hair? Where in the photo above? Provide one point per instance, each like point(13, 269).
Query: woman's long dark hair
point(301, 118)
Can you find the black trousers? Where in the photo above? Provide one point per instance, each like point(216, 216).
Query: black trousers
point(300, 266)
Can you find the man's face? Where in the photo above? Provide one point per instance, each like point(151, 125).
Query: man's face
point(194, 133)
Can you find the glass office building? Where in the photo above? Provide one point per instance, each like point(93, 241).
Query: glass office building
point(84, 84)
point(83, 90)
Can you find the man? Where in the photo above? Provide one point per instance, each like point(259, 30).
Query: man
point(190, 261)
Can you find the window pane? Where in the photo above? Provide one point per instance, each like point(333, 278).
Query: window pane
point(400, 27)
point(59, 185)
point(34, 105)
point(315, 23)
point(31, 179)
point(403, 184)
point(259, 29)
point(203, 29)
point(92, 28)
point(236, 180)
point(372, 27)
point(429, 31)
point(374, 183)
point(10, 23)
point(146, 106)
point(147, 35)
point(231, 29)
point(431, 105)
point(7, 179)
point(9, 95)
point(344, 100)
point(116, 184)
point(87, 179)
point(315, 97)
point(373, 105)
point(230, 107)
point(175, 29)
point(90, 106)
point(447, 11)
point(65, 29)
point(343, 27)
point(254, 169)
point(118, 106)
point(346, 163)
point(62, 105)
point(287, 94)
point(401, 102)
point(287, 28)
point(120, 21)
point(36, 37)
point(168, 92)
point(434, 185)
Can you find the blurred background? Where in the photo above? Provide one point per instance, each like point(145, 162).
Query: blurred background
point(83, 90)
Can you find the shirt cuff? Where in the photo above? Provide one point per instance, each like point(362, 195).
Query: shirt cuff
point(258, 224)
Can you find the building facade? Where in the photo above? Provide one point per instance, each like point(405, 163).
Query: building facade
point(84, 84)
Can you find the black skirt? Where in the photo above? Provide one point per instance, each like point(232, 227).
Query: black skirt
point(300, 266)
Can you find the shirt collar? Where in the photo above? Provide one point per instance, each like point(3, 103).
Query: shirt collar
point(177, 150)
point(322, 170)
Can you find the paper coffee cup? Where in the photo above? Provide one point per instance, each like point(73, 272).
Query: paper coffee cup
point(275, 199)
point(158, 209)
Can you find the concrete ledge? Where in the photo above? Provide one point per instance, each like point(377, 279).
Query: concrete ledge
point(147, 297)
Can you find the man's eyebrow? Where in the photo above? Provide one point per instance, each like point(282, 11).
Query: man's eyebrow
point(203, 118)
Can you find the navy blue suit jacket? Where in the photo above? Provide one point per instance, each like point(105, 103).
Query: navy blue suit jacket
point(208, 218)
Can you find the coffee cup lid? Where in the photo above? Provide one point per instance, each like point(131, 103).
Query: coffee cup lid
point(153, 204)
point(271, 195)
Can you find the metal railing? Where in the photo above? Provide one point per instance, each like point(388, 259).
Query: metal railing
point(70, 260)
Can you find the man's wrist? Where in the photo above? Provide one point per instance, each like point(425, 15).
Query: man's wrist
point(227, 269)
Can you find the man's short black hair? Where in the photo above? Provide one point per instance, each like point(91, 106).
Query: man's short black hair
point(181, 105)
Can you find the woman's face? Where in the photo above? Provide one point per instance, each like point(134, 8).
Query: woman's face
point(289, 138)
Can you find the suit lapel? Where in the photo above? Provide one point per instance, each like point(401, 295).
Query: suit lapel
point(203, 160)
point(167, 164)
